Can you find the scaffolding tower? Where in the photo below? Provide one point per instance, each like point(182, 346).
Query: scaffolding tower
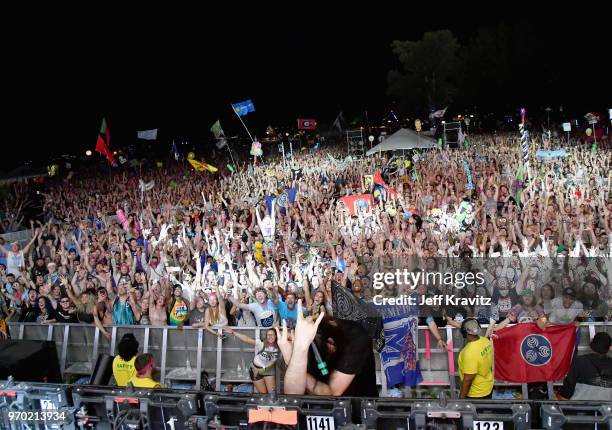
point(354, 142)
point(451, 134)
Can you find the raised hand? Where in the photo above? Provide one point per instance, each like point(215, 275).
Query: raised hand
point(284, 341)
point(305, 328)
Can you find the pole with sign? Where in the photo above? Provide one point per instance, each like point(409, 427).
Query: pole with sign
point(371, 139)
point(567, 127)
point(548, 110)
point(282, 148)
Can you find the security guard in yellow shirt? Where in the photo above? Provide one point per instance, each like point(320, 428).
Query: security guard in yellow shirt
point(475, 362)
point(145, 365)
point(123, 364)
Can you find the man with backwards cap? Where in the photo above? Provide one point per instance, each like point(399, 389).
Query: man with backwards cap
point(475, 362)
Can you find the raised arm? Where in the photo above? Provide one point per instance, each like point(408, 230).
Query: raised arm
point(27, 247)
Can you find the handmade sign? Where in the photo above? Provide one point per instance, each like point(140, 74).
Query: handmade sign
point(550, 155)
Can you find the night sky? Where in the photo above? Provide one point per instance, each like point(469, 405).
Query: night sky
point(180, 73)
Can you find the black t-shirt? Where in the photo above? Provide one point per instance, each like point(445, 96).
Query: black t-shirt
point(28, 313)
point(62, 316)
point(355, 357)
point(590, 369)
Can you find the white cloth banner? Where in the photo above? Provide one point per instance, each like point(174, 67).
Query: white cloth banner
point(148, 134)
point(438, 114)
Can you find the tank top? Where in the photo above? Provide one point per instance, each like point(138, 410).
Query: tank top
point(178, 313)
point(122, 313)
point(220, 323)
point(14, 262)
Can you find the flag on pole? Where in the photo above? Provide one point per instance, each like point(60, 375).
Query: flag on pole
point(524, 353)
point(174, 151)
point(438, 114)
point(217, 130)
point(307, 124)
point(517, 184)
point(469, 186)
point(243, 108)
point(102, 145)
point(338, 122)
point(201, 167)
point(148, 134)
point(524, 139)
point(461, 137)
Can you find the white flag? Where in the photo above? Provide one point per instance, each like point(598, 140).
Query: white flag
point(338, 122)
point(461, 137)
point(148, 134)
point(438, 114)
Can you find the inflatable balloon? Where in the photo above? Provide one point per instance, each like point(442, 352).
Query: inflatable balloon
point(589, 132)
point(190, 156)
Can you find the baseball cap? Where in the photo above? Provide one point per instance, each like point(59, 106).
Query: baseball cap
point(472, 327)
point(569, 292)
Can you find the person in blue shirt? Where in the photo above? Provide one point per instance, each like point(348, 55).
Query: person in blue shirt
point(263, 308)
point(287, 309)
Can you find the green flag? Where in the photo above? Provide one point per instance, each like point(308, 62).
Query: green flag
point(230, 168)
point(519, 183)
point(217, 130)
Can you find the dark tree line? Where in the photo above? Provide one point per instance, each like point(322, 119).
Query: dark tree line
point(500, 69)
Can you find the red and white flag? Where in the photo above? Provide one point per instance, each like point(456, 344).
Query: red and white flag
point(524, 353)
point(307, 124)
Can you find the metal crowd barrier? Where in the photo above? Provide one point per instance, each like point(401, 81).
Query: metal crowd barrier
point(387, 413)
point(190, 357)
point(82, 407)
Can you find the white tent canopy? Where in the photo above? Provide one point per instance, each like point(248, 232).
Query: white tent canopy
point(403, 139)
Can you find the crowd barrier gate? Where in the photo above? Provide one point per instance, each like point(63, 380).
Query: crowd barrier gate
point(187, 355)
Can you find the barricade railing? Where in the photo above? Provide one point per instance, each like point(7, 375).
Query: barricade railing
point(192, 356)
point(25, 405)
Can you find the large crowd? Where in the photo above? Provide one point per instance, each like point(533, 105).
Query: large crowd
point(242, 248)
